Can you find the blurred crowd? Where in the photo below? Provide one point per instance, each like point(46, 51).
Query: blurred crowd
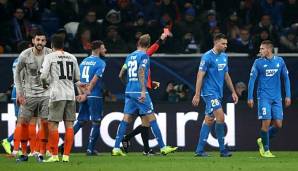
point(119, 23)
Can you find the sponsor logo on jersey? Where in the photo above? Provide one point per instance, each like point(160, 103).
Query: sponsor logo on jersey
point(221, 66)
point(270, 72)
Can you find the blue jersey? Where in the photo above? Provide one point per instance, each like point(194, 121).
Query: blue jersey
point(215, 66)
point(268, 72)
point(14, 65)
point(91, 66)
point(134, 62)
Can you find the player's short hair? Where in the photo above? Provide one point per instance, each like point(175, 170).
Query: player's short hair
point(218, 36)
point(57, 41)
point(96, 44)
point(38, 33)
point(23, 45)
point(144, 41)
point(267, 43)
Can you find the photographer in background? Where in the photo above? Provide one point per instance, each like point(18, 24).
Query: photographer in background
point(182, 91)
point(175, 93)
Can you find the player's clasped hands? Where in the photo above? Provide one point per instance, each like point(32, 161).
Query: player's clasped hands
point(196, 100)
point(81, 98)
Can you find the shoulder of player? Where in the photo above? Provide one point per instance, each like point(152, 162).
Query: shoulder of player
point(103, 62)
point(258, 60)
point(71, 55)
point(145, 55)
point(25, 53)
point(224, 54)
point(47, 50)
point(100, 62)
point(15, 61)
point(279, 58)
point(206, 56)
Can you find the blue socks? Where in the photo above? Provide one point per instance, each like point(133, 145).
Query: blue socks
point(10, 138)
point(272, 131)
point(265, 140)
point(93, 136)
point(157, 133)
point(120, 133)
point(77, 127)
point(205, 129)
point(219, 129)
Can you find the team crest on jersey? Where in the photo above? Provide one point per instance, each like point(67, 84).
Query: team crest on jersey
point(277, 65)
point(270, 72)
point(221, 66)
point(145, 61)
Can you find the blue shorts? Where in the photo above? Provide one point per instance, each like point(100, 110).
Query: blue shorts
point(212, 103)
point(270, 109)
point(134, 107)
point(92, 107)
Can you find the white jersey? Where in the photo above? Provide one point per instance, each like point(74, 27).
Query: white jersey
point(27, 75)
point(62, 70)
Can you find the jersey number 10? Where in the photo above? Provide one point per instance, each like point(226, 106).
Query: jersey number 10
point(68, 66)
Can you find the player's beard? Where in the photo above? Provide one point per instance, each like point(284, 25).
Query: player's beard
point(39, 47)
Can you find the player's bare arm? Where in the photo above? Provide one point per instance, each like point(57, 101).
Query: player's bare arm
point(45, 70)
point(231, 87)
point(92, 84)
point(196, 97)
point(142, 82)
point(122, 74)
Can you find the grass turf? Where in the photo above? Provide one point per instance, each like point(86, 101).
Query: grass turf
point(179, 161)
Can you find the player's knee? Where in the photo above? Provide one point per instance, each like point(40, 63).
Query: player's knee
point(82, 123)
point(33, 120)
point(68, 124)
point(97, 122)
point(209, 120)
point(23, 120)
point(278, 125)
point(146, 124)
point(150, 117)
point(52, 125)
point(127, 118)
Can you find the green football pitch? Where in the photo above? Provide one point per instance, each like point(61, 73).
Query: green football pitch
point(180, 161)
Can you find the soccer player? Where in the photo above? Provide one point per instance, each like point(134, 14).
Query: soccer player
point(6, 142)
point(144, 128)
point(92, 69)
point(137, 97)
point(213, 71)
point(268, 70)
point(31, 95)
point(61, 69)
